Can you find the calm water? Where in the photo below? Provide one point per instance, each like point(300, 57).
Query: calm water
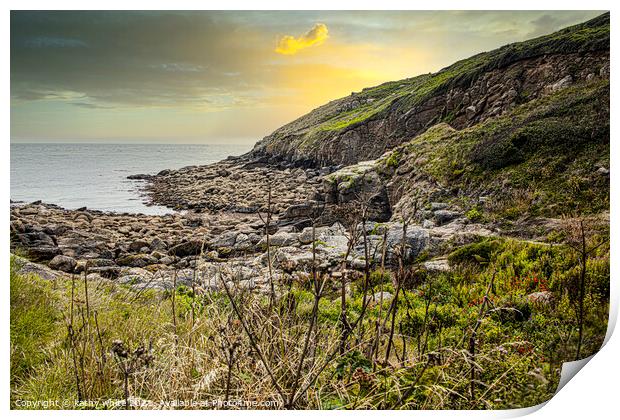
point(95, 175)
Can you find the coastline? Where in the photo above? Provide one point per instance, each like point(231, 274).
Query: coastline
point(217, 220)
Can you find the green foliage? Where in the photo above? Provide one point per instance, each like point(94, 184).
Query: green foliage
point(540, 159)
point(351, 362)
point(393, 160)
point(34, 323)
point(476, 253)
point(378, 277)
point(520, 346)
point(474, 215)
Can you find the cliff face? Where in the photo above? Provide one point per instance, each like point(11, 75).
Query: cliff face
point(365, 125)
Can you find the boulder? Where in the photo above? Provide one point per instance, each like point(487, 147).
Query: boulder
point(63, 263)
point(438, 265)
point(137, 260)
point(280, 239)
point(43, 253)
point(186, 248)
point(290, 259)
point(385, 296)
point(29, 268)
point(438, 206)
point(109, 272)
point(543, 298)
point(305, 237)
point(139, 176)
point(444, 216)
point(225, 240)
point(416, 240)
point(295, 211)
point(560, 84)
point(137, 245)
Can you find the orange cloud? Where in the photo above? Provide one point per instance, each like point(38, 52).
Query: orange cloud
point(289, 45)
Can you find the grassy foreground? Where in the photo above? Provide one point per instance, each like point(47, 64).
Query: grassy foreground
point(470, 338)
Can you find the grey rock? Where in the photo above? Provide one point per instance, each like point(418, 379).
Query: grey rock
point(416, 240)
point(167, 260)
point(438, 206)
point(427, 224)
point(225, 240)
point(280, 239)
point(444, 216)
point(540, 297)
point(385, 296)
point(157, 244)
point(137, 245)
point(63, 263)
point(296, 211)
point(187, 248)
point(470, 111)
point(39, 270)
point(560, 84)
point(137, 260)
point(305, 237)
point(438, 265)
point(43, 253)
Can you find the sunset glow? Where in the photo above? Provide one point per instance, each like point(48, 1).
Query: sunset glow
point(213, 77)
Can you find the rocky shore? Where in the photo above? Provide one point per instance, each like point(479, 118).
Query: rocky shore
point(234, 185)
point(222, 226)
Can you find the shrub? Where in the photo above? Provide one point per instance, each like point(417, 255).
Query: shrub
point(474, 215)
point(476, 253)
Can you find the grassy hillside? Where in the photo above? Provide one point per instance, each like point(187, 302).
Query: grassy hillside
point(542, 159)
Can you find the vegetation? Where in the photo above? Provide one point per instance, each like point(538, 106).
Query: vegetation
point(541, 159)
point(490, 333)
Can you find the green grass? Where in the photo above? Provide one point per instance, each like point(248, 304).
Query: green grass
point(34, 323)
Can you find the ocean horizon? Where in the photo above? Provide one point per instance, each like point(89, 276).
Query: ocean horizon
point(94, 175)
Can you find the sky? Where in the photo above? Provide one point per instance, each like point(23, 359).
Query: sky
point(227, 76)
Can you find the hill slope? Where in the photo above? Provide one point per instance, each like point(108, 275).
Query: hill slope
point(364, 125)
point(546, 158)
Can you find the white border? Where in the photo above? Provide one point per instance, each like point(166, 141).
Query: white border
point(593, 394)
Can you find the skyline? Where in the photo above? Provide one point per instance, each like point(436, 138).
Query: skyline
point(222, 77)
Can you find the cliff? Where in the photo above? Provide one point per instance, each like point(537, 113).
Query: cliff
point(366, 124)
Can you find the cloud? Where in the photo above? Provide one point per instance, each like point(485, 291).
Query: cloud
point(289, 45)
point(53, 42)
point(89, 105)
point(182, 74)
point(178, 67)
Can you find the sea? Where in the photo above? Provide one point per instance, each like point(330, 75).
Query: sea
point(74, 175)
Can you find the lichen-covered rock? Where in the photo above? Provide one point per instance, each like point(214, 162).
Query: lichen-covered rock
point(280, 238)
point(444, 216)
point(416, 239)
point(437, 265)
